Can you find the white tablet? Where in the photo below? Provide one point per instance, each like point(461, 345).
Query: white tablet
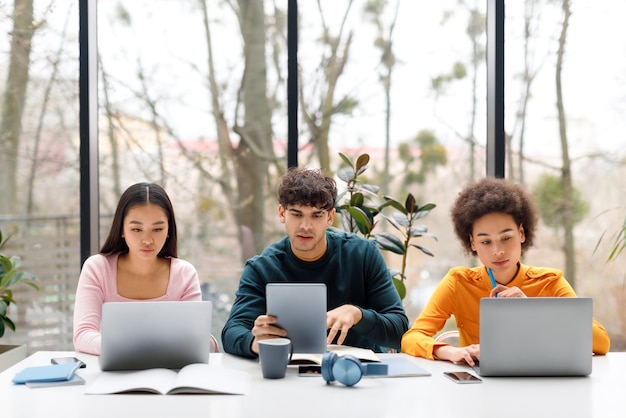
point(301, 310)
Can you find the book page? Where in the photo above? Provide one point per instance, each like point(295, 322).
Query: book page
point(206, 378)
point(151, 380)
point(363, 354)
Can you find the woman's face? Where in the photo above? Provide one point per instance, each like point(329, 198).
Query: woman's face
point(145, 230)
point(497, 240)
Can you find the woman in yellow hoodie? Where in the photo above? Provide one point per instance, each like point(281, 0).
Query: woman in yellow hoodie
point(495, 220)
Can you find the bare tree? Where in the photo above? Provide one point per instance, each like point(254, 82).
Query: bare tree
point(531, 18)
point(475, 30)
point(384, 41)
point(55, 61)
point(109, 113)
point(566, 172)
point(254, 153)
point(318, 117)
point(13, 102)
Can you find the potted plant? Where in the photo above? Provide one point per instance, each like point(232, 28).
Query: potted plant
point(10, 275)
point(361, 208)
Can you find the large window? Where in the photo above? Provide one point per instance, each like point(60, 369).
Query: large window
point(193, 95)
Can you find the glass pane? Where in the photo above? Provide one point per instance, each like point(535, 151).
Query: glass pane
point(587, 116)
point(187, 101)
point(39, 199)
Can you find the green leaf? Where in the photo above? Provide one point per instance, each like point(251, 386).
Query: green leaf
point(400, 288)
point(418, 230)
point(392, 223)
point(410, 204)
point(361, 219)
point(401, 220)
point(361, 170)
point(346, 160)
point(346, 174)
point(7, 297)
point(423, 249)
point(424, 210)
point(357, 199)
point(371, 188)
point(389, 201)
point(390, 242)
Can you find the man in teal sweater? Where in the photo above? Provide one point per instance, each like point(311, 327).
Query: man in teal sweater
point(364, 309)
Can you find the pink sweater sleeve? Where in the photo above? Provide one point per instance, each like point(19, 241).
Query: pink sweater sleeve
point(98, 275)
point(98, 284)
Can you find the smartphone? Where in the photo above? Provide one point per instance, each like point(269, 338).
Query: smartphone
point(309, 371)
point(462, 377)
point(64, 360)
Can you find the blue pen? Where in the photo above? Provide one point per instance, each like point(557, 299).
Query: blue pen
point(493, 279)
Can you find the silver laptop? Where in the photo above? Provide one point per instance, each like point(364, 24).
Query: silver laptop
point(300, 308)
point(149, 334)
point(535, 336)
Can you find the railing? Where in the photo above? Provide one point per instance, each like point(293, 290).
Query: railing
point(50, 249)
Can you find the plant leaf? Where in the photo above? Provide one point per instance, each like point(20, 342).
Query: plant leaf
point(390, 242)
point(346, 160)
point(401, 220)
point(346, 174)
point(357, 199)
point(410, 204)
point(363, 222)
point(389, 201)
point(362, 161)
point(423, 249)
point(400, 287)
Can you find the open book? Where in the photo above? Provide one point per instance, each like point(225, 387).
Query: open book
point(194, 378)
point(363, 354)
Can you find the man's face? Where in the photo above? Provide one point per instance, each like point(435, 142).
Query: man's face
point(306, 228)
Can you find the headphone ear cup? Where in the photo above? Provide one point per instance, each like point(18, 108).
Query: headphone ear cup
point(347, 370)
point(328, 359)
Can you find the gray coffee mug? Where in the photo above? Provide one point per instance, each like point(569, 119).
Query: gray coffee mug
point(275, 355)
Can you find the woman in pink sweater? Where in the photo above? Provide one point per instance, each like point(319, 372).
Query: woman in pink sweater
point(138, 261)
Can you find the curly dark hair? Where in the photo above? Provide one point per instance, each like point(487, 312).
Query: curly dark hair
point(491, 195)
point(308, 187)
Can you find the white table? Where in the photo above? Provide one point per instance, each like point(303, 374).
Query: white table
point(599, 395)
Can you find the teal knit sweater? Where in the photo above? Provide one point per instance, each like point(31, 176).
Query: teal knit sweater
point(354, 273)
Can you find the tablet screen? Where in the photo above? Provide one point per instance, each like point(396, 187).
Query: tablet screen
point(301, 310)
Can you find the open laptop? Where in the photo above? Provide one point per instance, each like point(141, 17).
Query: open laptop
point(535, 336)
point(300, 308)
point(149, 334)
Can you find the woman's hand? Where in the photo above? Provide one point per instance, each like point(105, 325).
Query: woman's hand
point(465, 354)
point(501, 291)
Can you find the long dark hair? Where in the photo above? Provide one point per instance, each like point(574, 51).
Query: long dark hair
point(141, 194)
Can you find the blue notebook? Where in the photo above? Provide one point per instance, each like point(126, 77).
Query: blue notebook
point(51, 373)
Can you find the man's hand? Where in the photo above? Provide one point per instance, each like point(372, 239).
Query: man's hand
point(264, 329)
point(340, 320)
point(458, 354)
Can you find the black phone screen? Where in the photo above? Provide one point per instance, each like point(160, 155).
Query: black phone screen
point(462, 377)
point(64, 360)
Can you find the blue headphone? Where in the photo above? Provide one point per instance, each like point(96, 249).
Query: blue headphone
point(348, 369)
